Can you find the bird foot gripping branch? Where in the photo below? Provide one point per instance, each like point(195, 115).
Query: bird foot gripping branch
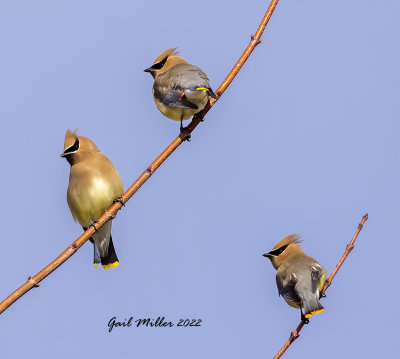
point(180, 90)
point(92, 224)
point(294, 335)
point(304, 319)
point(297, 276)
point(24, 288)
point(119, 200)
point(185, 134)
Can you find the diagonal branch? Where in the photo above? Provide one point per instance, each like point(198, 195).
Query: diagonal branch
point(111, 212)
point(294, 335)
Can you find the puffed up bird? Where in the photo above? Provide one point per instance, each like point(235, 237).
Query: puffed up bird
point(180, 90)
point(299, 278)
point(94, 184)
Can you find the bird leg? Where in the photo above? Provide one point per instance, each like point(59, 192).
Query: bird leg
point(92, 224)
point(182, 131)
point(303, 318)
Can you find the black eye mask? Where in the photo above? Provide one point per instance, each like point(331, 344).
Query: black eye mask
point(278, 251)
point(73, 148)
point(159, 65)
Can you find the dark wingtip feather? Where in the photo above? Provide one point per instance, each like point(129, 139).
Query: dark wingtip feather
point(212, 93)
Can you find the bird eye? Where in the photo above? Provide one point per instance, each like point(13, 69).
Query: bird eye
point(278, 251)
point(159, 65)
point(73, 148)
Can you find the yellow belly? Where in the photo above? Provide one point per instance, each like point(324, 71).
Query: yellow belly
point(178, 114)
point(293, 304)
point(88, 204)
point(175, 113)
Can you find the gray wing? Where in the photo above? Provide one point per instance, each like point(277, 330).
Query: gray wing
point(178, 99)
point(172, 86)
point(169, 96)
point(188, 77)
point(286, 283)
point(316, 273)
point(191, 78)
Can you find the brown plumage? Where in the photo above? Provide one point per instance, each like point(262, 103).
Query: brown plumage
point(180, 90)
point(299, 278)
point(93, 186)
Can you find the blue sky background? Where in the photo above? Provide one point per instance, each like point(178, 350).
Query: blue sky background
point(305, 140)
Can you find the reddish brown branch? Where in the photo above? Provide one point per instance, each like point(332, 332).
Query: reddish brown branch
point(294, 335)
point(111, 212)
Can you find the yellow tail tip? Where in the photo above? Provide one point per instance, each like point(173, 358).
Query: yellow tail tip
point(314, 312)
point(111, 265)
point(96, 265)
point(202, 89)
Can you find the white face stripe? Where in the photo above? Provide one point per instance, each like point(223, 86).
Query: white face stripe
point(76, 143)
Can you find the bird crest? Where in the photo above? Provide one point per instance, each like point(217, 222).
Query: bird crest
point(291, 239)
point(70, 138)
point(167, 53)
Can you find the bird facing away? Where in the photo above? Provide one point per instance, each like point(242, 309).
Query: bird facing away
point(180, 90)
point(94, 184)
point(299, 278)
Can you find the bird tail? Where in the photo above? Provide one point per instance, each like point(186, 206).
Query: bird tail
point(96, 254)
point(110, 259)
point(311, 304)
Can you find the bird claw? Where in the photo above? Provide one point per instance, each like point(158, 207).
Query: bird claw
point(119, 200)
point(304, 319)
point(92, 224)
point(186, 136)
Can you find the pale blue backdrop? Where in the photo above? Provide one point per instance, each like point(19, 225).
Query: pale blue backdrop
point(305, 141)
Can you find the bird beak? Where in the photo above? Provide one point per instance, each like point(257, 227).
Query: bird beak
point(267, 255)
point(149, 69)
point(63, 154)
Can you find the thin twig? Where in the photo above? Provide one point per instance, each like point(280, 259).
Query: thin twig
point(294, 335)
point(111, 212)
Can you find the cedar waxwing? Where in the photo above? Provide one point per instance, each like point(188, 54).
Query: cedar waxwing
point(180, 90)
point(299, 278)
point(94, 184)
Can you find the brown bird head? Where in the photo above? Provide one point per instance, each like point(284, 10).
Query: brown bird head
point(164, 62)
point(77, 147)
point(284, 249)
